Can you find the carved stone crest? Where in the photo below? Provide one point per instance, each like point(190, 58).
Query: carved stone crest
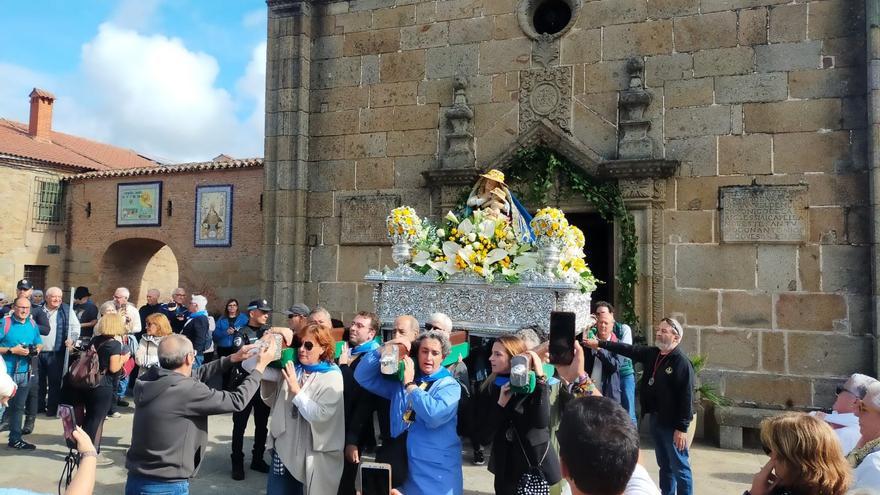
point(545, 94)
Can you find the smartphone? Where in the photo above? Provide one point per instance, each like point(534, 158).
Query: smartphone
point(562, 326)
point(519, 371)
point(65, 412)
point(374, 478)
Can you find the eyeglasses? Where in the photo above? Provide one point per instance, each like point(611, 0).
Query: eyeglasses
point(290, 317)
point(841, 388)
point(429, 326)
point(22, 307)
point(307, 345)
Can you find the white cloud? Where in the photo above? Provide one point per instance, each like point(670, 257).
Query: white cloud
point(160, 98)
point(252, 89)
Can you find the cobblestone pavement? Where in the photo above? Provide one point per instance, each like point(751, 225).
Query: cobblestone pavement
point(715, 470)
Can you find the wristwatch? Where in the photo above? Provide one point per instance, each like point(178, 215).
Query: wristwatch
point(9, 351)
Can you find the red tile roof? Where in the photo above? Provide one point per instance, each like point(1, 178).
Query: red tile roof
point(170, 169)
point(66, 150)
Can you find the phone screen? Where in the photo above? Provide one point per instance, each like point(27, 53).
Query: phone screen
point(375, 478)
point(562, 325)
point(65, 412)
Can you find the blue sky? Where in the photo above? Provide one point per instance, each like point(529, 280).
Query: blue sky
point(178, 80)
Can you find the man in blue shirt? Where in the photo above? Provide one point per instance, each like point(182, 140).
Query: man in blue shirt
point(19, 340)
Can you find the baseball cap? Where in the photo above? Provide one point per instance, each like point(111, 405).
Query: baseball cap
point(81, 292)
point(298, 309)
point(261, 304)
point(872, 396)
point(24, 284)
point(857, 384)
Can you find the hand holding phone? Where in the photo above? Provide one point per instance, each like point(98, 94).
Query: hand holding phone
point(65, 412)
point(374, 478)
point(562, 326)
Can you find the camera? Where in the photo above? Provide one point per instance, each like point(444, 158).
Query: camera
point(239, 339)
point(32, 350)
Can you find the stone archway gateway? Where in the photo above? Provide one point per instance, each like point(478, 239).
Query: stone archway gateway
point(139, 264)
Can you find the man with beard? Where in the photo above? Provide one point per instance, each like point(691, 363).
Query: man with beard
point(359, 404)
point(667, 393)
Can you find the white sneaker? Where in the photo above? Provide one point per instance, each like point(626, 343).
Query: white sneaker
point(114, 415)
point(103, 460)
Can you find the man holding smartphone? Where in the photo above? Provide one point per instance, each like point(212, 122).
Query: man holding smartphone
point(20, 341)
point(667, 393)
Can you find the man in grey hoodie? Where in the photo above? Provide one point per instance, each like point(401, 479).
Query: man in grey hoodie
point(170, 429)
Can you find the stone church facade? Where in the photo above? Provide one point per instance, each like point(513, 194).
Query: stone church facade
point(739, 133)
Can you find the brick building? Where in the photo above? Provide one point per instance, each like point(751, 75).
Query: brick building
point(104, 255)
point(33, 161)
point(674, 100)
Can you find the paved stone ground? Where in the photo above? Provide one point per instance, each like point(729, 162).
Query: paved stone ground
point(716, 470)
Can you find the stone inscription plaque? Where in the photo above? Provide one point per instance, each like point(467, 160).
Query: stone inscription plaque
point(775, 214)
point(363, 219)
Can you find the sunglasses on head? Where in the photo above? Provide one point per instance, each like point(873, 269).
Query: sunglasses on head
point(429, 326)
point(307, 345)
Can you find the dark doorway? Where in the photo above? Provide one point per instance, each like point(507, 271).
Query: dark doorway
point(599, 248)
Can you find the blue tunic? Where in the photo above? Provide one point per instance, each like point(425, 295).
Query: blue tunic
point(432, 444)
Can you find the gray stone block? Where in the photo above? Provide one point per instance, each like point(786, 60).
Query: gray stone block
point(730, 437)
point(724, 61)
point(788, 56)
point(845, 269)
point(450, 61)
point(698, 121)
point(752, 87)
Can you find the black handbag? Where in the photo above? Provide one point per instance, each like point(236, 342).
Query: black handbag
point(532, 482)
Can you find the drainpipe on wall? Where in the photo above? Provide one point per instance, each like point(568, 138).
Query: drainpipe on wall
point(872, 26)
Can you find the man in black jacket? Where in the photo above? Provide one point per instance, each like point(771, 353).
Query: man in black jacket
point(667, 392)
point(258, 317)
point(359, 404)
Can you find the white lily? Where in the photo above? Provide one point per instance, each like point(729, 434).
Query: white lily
point(466, 227)
point(421, 258)
point(451, 217)
point(494, 256)
point(487, 228)
point(526, 261)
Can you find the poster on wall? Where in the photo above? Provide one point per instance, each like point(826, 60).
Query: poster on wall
point(139, 204)
point(213, 222)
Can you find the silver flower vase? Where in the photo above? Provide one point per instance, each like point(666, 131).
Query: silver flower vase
point(401, 253)
point(549, 254)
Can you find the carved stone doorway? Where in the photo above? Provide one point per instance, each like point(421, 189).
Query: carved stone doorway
point(599, 248)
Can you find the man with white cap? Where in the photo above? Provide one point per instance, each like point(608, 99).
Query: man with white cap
point(667, 393)
point(843, 417)
point(865, 457)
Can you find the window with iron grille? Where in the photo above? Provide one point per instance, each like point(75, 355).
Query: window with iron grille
point(48, 204)
point(37, 275)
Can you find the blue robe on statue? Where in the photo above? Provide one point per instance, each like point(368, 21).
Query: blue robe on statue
point(432, 445)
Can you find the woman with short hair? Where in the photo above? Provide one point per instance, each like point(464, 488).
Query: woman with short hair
point(197, 328)
point(147, 354)
point(307, 427)
point(805, 458)
point(97, 401)
point(425, 407)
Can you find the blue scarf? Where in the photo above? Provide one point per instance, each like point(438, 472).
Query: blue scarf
point(502, 380)
point(441, 373)
point(320, 367)
point(365, 347)
point(198, 313)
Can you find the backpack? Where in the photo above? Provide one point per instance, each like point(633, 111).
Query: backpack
point(86, 372)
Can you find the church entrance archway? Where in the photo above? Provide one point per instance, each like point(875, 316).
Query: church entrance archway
point(139, 264)
point(599, 248)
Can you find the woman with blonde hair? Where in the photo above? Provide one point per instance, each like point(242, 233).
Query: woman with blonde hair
point(805, 458)
point(515, 422)
point(107, 342)
point(307, 428)
point(147, 354)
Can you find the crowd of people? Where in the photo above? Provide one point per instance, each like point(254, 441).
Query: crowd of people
point(561, 428)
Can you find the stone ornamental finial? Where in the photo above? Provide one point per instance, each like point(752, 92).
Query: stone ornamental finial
point(459, 152)
point(633, 141)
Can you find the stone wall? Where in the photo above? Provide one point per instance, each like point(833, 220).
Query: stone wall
point(22, 242)
point(744, 92)
point(103, 256)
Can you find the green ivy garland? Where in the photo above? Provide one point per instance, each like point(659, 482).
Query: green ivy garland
point(534, 170)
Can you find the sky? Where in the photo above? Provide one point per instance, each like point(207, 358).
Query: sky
point(175, 80)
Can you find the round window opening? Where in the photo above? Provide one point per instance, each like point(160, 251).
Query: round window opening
point(551, 16)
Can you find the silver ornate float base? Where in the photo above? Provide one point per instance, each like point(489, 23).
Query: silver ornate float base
point(481, 308)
